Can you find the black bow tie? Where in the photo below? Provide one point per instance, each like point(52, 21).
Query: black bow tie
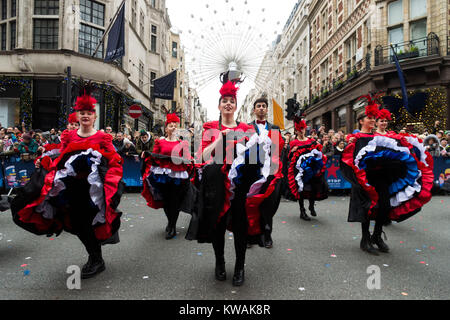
point(260, 122)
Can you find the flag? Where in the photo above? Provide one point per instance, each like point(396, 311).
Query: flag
point(116, 38)
point(164, 87)
point(402, 80)
point(278, 118)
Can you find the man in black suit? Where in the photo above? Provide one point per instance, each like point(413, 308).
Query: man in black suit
point(269, 206)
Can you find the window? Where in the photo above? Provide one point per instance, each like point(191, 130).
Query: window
point(396, 36)
point(13, 8)
point(418, 8)
point(142, 25)
point(93, 12)
point(152, 85)
point(350, 51)
point(324, 73)
point(395, 12)
point(153, 44)
point(174, 106)
point(324, 26)
point(418, 30)
point(133, 14)
point(4, 10)
point(141, 75)
point(174, 50)
point(89, 38)
point(45, 34)
point(46, 7)
point(12, 29)
point(154, 3)
point(154, 29)
point(3, 36)
point(350, 6)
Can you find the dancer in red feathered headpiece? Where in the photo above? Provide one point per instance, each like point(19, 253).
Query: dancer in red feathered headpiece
point(229, 89)
point(166, 177)
point(383, 118)
point(369, 116)
point(72, 122)
point(306, 153)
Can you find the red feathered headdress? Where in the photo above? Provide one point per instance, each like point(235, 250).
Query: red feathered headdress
point(73, 118)
point(229, 89)
point(384, 114)
point(86, 102)
point(372, 108)
point(172, 117)
point(300, 125)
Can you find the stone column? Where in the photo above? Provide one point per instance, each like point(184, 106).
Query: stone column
point(350, 118)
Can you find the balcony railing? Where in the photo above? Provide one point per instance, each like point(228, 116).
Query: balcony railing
point(338, 83)
point(422, 47)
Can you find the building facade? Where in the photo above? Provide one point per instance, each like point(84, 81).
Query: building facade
point(39, 40)
point(351, 55)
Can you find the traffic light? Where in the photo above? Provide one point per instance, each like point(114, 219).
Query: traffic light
point(291, 109)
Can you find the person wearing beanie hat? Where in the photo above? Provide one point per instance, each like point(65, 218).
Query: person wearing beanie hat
point(166, 177)
point(145, 142)
point(78, 192)
point(224, 177)
point(391, 177)
point(306, 170)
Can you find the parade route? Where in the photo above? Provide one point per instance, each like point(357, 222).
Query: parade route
point(320, 259)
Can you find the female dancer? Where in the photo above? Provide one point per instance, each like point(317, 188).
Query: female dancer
point(166, 176)
point(383, 118)
point(78, 192)
point(230, 187)
point(388, 180)
point(306, 170)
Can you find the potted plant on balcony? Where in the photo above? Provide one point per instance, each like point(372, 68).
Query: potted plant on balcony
point(338, 84)
point(412, 52)
point(315, 99)
point(352, 75)
point(324, 93)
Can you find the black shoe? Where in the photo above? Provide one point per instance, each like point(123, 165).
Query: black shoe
point(313, 212)
point(94, 266)
point(249, 245)
point(113, 240)
point(221, 274)
point(303, 215)
point(171, 233)
point(378, 241)
point(268, 243)
point(366, 245)
point(238, 278)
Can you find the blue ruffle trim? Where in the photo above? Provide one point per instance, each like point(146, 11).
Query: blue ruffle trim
point(238, 180)
point(156, 179)
point(412, 171)
point(311, 166)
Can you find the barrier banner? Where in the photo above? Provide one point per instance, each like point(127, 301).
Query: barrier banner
point(442, 173)
point(17, 172)
point(132, 171)
point(333, 175)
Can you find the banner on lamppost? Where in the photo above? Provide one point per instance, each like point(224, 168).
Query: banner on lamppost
point(164, 86)
point(116, 38)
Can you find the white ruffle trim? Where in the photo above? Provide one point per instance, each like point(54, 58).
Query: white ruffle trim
point(52, 153)
point(415, 142)
point(379, 141)
point(406, 194)
point(314, 153)
point(169, 172)
point(262, 139)
point(96, 189)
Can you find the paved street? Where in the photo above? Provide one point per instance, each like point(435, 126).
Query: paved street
point(310, 260)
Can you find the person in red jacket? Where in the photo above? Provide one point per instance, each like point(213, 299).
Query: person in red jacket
point(79, 191)
point(166, 176)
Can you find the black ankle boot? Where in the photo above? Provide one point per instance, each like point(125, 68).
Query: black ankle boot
point(268, 243)
point(239, 277)
point(366, 245)
point(378, 241)
point(94, 266)
point(171, 233)
point(221, 273)
point(313, 211)
point(303, 215)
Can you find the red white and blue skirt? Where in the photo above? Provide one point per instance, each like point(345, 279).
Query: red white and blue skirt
point(398, 164)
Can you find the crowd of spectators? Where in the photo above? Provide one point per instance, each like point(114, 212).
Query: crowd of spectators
point(20, 142)
point(436, 141)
